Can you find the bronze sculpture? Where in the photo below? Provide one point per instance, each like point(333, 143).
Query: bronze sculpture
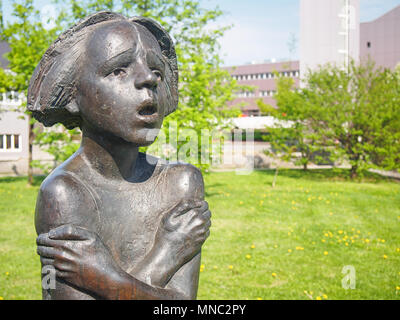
point(116, 223)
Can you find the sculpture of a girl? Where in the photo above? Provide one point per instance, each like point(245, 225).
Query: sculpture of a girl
point(113, 222)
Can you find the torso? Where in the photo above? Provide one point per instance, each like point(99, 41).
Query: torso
point(126, 215)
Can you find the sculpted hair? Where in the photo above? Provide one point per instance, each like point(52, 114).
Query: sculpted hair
point(52, 88)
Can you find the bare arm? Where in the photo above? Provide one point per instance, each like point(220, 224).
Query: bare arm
point(67, 249)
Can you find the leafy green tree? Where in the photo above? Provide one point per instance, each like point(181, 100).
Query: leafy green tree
point(351, 115)
point(28, 40)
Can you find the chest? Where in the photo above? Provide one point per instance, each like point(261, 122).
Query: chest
point(129, 218)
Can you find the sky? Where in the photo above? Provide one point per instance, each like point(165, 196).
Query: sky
point(262, 29)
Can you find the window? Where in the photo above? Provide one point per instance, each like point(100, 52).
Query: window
point(10, 142)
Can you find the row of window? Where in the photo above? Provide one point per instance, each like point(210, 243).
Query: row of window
point(268, 75)
point(247, 94)
point(10, 142)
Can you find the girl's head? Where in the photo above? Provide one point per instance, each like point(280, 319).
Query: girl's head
point(108, 73)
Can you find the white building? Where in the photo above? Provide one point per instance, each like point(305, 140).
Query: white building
point(329, 33)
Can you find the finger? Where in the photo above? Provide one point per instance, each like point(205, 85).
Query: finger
point(63, 274)
point(207, 215)
point(187, 205)
point(46, 261)
point(204, 206)
point(44, 240)
point(199, 217)
point(70, 232)
point(47, 252)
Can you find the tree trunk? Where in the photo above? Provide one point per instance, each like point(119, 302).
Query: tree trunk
point(30, 149)
point(305, 166)
point(275, 176)
point(353, 172)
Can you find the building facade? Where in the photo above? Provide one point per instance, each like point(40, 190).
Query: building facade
point(329, 33)
point(380, 39)
point(262, 77)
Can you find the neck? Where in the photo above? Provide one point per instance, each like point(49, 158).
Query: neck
point(112, 157)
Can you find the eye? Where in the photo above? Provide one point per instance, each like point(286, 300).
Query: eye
point(119, 72)
point(158, 74)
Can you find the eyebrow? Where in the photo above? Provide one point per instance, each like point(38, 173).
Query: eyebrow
point(122, 58)
point(154, 57)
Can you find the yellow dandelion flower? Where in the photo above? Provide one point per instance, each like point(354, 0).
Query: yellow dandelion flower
point(289, 233)
point(385, 256)
point(326, 253)
point(248, 256)
point(324, 296)
point(259, 298)
point(215, 267)
point(383, 240)
point(366, 240)
point(398, 249)
point(275, 246)
point(289, 250)
point(323, 240)
point(331, 213)
point(340, 231)
point(7, 273)
point(319, 298)
point(274, 274)
point(253, 246)
point(398, 288)
point(241, 202)
point(1, 298)
point(230, 267)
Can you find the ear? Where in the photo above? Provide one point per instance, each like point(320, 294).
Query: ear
point(72, 107)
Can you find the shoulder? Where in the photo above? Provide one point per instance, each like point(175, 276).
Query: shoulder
point(186, 179)
point(62, 199)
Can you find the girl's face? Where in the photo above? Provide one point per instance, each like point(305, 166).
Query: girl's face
point(122, 88)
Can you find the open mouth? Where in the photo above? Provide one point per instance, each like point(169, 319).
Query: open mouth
point(147, 109)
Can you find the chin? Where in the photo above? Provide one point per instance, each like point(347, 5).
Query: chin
point(143, 137)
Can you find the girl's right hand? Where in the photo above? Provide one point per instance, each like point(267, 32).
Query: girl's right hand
point(184, 228)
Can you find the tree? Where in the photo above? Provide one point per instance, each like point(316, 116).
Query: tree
point(350, 115)
point(28, 40)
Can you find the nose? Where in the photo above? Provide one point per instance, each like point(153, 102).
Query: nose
point(145, 78)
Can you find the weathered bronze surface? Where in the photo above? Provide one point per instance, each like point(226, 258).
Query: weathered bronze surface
point(116, 223)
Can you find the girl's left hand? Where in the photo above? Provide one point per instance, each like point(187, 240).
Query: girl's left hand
point(78, 256)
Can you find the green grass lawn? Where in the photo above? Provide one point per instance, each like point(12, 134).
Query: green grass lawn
point(287, 242)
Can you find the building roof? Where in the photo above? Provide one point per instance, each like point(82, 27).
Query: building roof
point(4, 48)
point(263, 68)
point(392, 14)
